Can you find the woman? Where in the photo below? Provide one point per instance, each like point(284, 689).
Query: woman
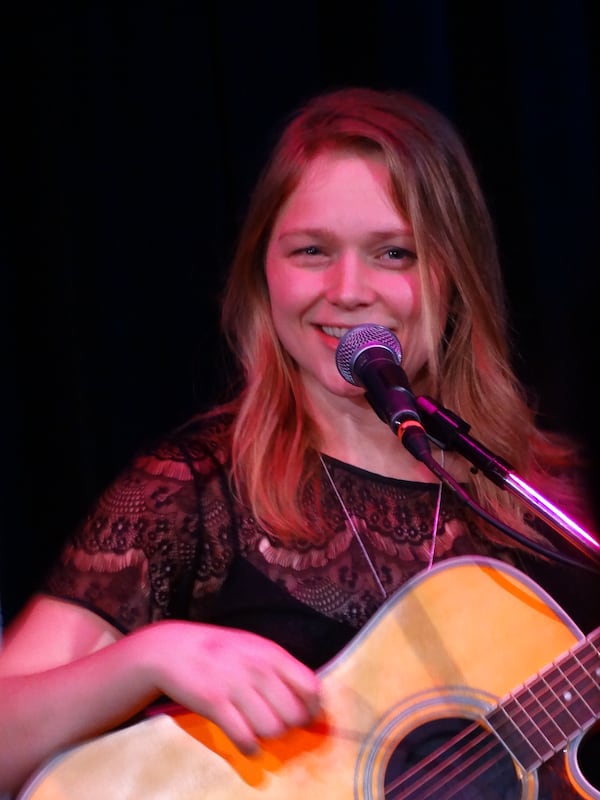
point(257, 540)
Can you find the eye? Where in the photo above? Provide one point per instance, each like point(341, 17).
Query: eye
point(308, 250)
point(400, 253)
point(310, 255)
point(401, 256)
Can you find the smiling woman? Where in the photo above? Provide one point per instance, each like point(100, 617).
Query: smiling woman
point(340, 255)
point(259, 539)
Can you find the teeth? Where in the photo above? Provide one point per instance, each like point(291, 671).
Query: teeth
point(336, 332)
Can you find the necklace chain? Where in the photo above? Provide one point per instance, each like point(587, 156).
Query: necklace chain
point(355, 533)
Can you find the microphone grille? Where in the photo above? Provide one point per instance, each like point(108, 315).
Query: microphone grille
point(358, 339)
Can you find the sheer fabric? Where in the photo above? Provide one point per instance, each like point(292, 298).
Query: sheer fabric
point(169, 539)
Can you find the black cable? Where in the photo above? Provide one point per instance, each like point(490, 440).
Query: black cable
point(449, 481)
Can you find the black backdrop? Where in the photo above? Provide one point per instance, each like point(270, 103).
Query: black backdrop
point(133, 132)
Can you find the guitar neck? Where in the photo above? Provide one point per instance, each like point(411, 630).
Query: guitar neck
point(551, 708)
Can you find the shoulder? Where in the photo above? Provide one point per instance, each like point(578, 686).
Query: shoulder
point(168, 476)
point(201, 446)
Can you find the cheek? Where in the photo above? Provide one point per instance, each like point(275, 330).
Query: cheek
point(408, 309)
point(281, 291)
point(291, 290)
point(286, 297)
point(407, 300)
point(275, 281)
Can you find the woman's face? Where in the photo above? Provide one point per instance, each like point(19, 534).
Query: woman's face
point(341, 255)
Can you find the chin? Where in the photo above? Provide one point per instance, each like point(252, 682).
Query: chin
point(347, 390)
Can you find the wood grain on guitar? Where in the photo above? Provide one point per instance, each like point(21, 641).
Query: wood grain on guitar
point(470, 682)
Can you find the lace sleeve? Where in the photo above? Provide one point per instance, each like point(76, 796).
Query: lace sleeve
point(139, 536)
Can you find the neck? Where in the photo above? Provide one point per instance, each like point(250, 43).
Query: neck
point(391, 462)
point(351, 431)
point(354, 434)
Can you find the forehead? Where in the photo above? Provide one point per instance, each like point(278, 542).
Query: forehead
point(342, 182)
point(344, 165)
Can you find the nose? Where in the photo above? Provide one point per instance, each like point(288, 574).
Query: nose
point(348, 282)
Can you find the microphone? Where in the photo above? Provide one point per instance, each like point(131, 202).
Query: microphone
point(370, 356)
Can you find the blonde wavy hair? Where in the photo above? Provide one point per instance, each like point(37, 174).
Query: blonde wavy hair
point(274, 442)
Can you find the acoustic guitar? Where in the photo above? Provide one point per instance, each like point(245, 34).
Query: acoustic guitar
point(470, 682)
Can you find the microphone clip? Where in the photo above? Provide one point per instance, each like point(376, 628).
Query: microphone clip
point(448, 431)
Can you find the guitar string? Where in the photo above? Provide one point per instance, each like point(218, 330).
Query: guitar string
point(443, 772)
point(355, 533)
point(439, 775)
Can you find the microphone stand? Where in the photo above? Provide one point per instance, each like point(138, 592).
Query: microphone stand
point(451, 432)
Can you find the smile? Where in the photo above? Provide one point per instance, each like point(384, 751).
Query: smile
point(334, 331)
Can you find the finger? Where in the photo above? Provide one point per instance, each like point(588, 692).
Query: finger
point(304, 684)
point(271, 663)
point(288, 706)
point(234, 722)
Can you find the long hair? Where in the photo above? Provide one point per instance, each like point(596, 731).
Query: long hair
point(434, 186)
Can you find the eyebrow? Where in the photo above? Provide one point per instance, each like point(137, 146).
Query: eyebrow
point(385, 234)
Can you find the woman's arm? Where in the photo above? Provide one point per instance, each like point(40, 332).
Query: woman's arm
point(67, 675)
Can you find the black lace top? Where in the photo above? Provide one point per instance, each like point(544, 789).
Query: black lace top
point(168, 539)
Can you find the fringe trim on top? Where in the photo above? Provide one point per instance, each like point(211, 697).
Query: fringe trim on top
point(105, 562)
point(313, 558)
point(169, 469)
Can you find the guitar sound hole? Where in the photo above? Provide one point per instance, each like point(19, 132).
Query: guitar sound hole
point(588, 756)
point(451, 758)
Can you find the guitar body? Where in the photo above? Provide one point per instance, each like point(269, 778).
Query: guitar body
point(447, 647)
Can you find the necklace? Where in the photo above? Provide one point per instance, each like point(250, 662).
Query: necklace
point(355, 533)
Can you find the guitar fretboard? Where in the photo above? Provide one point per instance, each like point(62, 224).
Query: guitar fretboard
point(540, 717)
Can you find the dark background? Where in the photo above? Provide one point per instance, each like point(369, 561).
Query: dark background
point(133, 133)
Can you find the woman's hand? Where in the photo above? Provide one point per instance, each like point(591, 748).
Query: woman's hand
point(249, 686)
